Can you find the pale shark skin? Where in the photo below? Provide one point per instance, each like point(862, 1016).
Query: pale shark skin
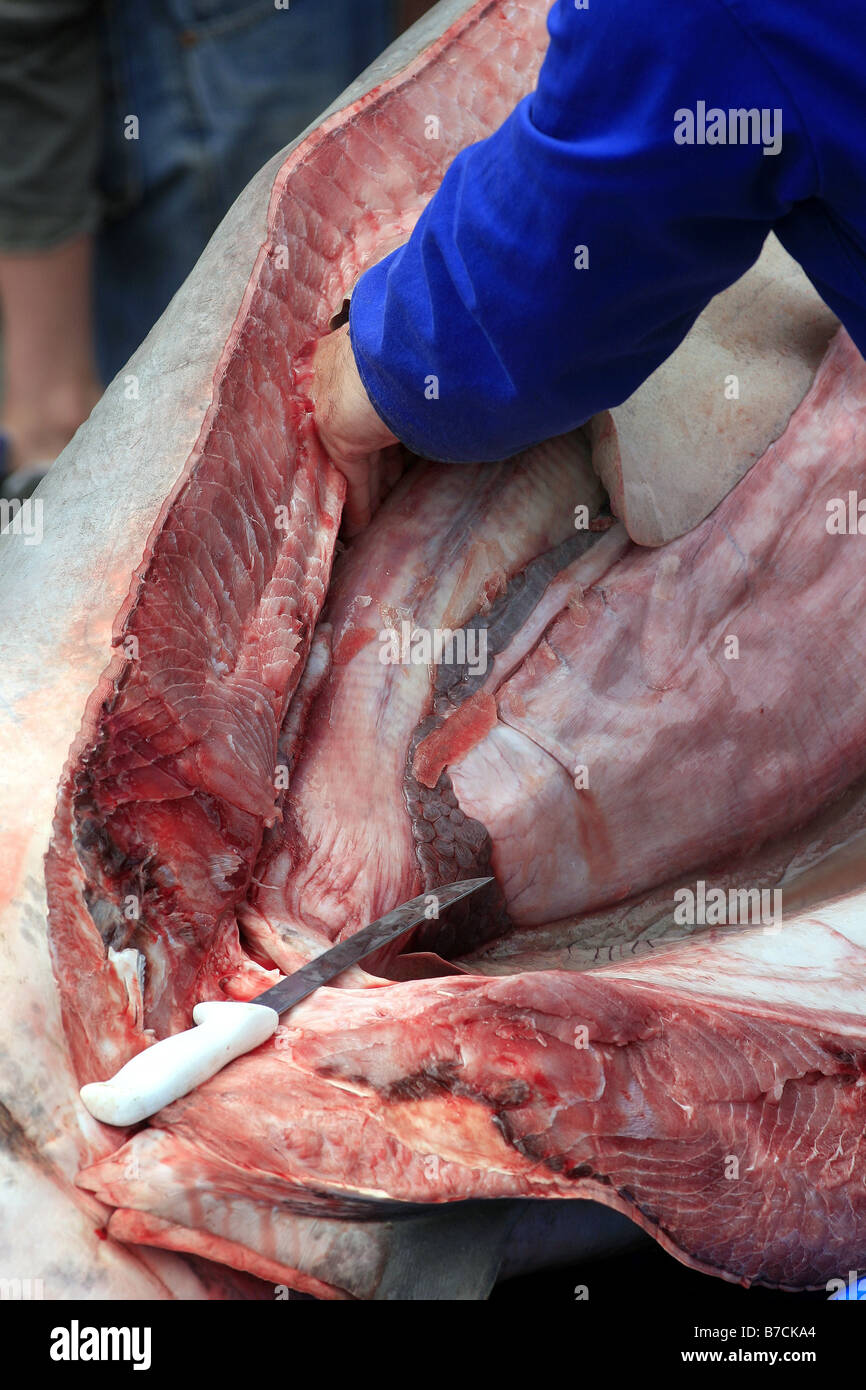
point(59, 602)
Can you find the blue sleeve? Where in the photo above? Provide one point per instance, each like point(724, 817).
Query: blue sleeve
point(487, 296)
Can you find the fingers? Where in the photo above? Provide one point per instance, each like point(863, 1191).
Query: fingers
point(362, 493)
point(348, 425)
point(352, 434)
point(394, 460)
point(368, 483)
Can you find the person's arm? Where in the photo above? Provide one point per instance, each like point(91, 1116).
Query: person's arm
point(490, 329)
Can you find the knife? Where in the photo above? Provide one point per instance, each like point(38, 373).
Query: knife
point(227, 1028)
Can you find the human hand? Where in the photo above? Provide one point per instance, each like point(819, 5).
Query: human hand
point(352, 434)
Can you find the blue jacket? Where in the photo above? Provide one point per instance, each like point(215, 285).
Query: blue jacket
point(626, 148)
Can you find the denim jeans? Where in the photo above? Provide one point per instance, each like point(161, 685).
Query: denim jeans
point(217, 87)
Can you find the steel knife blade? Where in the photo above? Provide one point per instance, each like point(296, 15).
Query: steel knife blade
point(331, 963)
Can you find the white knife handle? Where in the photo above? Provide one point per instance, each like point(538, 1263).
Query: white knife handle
point(174, 1066)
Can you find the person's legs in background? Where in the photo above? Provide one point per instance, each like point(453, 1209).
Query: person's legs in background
point(216, 87)
point(49, 115)
point(50, 381)
point(191, 98)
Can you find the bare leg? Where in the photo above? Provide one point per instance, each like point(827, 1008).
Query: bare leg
point(50, 380)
